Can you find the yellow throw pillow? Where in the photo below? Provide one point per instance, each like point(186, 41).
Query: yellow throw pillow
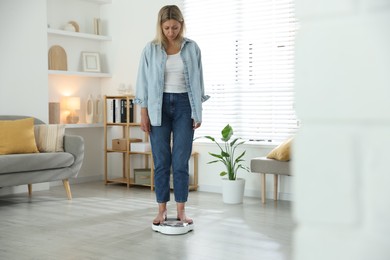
point(50, 138)
point(282, 151)
point(17, 136)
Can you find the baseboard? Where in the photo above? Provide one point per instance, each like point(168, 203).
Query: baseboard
point(210, 188)
point(248, 193)
point(78, 180)
point(286, 196)
point(204, 188)
point(23, 188)
point(46, 185)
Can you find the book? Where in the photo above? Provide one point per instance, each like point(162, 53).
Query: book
point(110, 111)
point(116, 113)
point(123, 111)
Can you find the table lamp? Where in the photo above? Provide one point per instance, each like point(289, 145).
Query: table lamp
point(72, 104)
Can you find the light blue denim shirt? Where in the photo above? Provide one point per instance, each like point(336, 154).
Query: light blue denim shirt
point(150, 80)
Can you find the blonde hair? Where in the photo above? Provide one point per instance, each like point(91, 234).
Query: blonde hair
point(169, 12)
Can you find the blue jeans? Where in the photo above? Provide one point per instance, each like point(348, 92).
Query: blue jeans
point(176, 124)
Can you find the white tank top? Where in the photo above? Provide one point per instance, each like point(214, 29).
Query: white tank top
point(174, 75)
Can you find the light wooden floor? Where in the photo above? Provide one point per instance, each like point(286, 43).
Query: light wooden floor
point(113, 222)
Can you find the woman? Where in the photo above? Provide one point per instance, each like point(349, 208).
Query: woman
point(170, 91)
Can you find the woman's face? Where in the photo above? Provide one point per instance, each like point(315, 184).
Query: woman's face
point(171, 29)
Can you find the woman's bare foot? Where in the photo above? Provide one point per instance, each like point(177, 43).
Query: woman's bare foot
point(181, 214)
point(161, 217)
point(183, 217)
point(162, 214)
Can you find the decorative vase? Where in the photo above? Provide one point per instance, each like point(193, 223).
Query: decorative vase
point(233, 191)
point(99, 109)
point(89, 110)
point(54, 112)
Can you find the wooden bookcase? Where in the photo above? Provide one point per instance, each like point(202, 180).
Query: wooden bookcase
point(127, 127)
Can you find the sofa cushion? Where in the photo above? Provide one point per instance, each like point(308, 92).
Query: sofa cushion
point(17, 136)
point(12, 163)
point(50, 138)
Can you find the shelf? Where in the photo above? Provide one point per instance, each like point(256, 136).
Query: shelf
point(80, 74)
point(99, 2)
point(143, 153)
point(78, 35)
point(120, 180)
point(120, 97)
point(97, 125)
point(192, 187)
point(130, 152)
point(123, 124)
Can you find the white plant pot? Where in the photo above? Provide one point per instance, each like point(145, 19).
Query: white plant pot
point(233, 191)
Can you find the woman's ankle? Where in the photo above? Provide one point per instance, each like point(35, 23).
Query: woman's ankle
point(162, 208)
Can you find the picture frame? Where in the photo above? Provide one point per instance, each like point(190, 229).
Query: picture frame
point(91, 61)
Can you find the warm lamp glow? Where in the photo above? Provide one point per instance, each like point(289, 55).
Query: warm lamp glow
point(72, 104)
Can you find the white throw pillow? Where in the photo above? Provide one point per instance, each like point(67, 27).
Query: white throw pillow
point(50, 138)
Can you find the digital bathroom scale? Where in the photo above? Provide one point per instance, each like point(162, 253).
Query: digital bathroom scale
point(173, 227)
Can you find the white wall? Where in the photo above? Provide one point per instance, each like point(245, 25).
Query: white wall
point(131, 24)
point(341, 154)
point(23, 62)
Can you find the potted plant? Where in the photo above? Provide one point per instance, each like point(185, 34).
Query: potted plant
point(232, 187)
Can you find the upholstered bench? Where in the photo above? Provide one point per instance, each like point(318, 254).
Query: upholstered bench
point(277, 162)
point(264, 166)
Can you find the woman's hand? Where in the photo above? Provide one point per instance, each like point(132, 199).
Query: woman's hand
point(145, 121)
point(195, 125)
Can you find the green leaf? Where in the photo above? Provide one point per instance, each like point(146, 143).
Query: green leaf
point(244, 168)
point(227, 132)
point(241, 143)
point(210, 138)
point(224, 154)
point(216, 155)
point(223, 173)
point(239, 157)
point(214, 161)
point(233, 142)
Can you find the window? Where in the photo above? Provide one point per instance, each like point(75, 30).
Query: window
point(248, 64)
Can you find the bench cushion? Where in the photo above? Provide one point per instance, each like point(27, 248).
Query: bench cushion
point(265, 165)
point(12, 163)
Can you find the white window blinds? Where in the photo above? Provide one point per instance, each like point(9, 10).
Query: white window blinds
point(248, 64)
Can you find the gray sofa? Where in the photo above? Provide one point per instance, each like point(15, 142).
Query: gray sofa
point(19, 169)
